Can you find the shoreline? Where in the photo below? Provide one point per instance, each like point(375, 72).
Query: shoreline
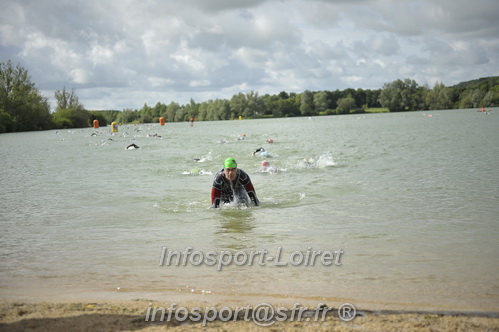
point(136, 315)
point(189, 296)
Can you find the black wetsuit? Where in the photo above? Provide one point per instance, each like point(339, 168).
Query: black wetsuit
point(223, 190)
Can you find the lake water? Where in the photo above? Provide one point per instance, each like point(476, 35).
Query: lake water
point(410, 199)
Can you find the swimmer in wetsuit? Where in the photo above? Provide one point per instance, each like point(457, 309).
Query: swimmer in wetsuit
point(259, 150)
point(232, 181)
point(132, 146)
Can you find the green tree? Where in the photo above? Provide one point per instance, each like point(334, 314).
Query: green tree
point(180, 114)
point(270, 105)
point(345, 105)
point(159, 111)
point(238, 104)
point(22, 107)
point(334, 96)
point(77, 115)
point(128, 115)
point(438, 98)
point(491, 98)
point(283, 95)
point(246, 105)
point(291, 106)
point(99, 116)
point(70, 118)
point(477, 97)
point(146, 114)
point(220, 109)
point(63, 119)
point(360, 98)
point(67, 100)
point(372, 98)
point(5, 121)
point(191, 110)
point(307, 103)
point(280, 105)
point(203, 111)
point(254, 105)
point(353, 93)
point(400, 96)
point(321, 101)
point(211, 112)
point(472, 98)
point(171, 110)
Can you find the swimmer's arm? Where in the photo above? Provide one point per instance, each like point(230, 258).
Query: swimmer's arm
point(253, 197)
point(215, 197)
point(251, 193)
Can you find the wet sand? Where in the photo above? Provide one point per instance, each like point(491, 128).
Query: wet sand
point(131, 316)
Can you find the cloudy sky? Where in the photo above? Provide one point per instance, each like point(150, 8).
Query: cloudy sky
point(120, 54)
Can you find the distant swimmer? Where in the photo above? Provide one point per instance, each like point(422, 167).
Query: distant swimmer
point(306, 163)
point(132, 146)
point(204, 158)
point(232, 184)
point(195, 171)
point(191, 120)
point(261, 152)
point(266, 168)
point(484, 110)
point(270, 140)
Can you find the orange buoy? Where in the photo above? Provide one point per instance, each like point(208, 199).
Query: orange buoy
point(161, 121)
point(96, 123)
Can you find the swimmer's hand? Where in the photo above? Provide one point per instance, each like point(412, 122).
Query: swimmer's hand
point(253, 197)
point(216, 203)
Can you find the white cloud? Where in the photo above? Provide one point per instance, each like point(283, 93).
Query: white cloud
point(159, 82)
point(252, 58)
point(80, 76)
point(199, 83)
point(122, 54)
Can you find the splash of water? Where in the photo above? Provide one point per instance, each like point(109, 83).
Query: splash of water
point(326, 160)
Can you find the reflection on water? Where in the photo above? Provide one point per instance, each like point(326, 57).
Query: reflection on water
point(234, 229)
point(236, 221)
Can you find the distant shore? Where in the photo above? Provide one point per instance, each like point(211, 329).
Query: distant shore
point(132, 315)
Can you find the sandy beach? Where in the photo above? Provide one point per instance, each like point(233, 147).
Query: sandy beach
point(131, 316)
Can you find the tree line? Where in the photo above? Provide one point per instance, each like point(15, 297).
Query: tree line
point(397, 96)
point(23, 108)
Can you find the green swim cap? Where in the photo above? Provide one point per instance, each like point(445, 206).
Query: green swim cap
point(230, 163)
